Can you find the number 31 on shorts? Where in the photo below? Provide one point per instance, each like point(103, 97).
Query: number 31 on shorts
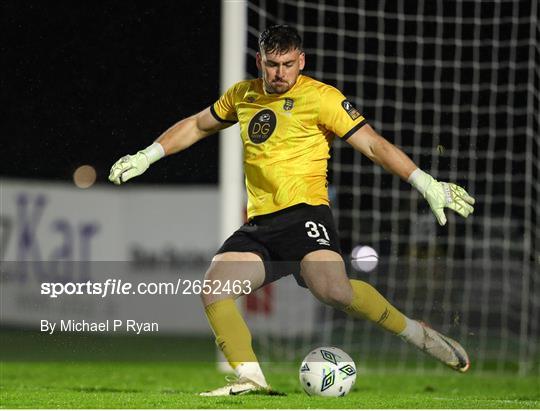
point(313, 230)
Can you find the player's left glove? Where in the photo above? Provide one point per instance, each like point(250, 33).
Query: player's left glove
point(440, 195)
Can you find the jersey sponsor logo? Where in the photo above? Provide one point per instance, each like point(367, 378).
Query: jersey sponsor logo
point(288, 104)
point(261, 126)
point(350, 109)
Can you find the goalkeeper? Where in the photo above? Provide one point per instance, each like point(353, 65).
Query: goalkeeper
point(287, 122)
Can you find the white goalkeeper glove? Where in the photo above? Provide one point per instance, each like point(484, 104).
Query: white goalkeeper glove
point(440, 195)
point(134, 165)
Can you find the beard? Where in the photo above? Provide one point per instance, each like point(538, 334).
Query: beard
point(277, 87)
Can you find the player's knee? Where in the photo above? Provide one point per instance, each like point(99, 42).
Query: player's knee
point(339, 297)
point(210, 278)
point(336, 295)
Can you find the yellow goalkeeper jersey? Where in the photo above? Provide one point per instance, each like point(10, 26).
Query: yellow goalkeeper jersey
point(287, 139)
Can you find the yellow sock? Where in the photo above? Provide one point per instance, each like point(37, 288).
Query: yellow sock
point(370, 304)
point(231, 331)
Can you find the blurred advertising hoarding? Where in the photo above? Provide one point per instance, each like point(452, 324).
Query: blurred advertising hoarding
point(163, 239)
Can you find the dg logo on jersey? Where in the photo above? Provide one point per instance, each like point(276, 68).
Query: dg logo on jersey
point(261, 126)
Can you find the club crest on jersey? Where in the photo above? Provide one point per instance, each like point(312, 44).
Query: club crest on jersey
point(288, 104)
point(350, 109)
point(261, 126)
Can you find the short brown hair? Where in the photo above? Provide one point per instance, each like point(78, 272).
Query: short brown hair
point(280, 38)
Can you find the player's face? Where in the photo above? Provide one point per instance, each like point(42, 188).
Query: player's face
point(280, 71)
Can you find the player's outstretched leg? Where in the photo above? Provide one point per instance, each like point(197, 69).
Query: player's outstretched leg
point(325, 276)
point(370, 304)
point(231, 332)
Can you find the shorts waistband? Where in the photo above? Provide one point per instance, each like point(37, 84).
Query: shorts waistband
point(266, 217)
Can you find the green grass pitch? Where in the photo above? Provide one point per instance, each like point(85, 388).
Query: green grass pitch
point(107, 384)
point(95, 371)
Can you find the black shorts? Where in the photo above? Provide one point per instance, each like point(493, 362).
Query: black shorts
point(283, 238)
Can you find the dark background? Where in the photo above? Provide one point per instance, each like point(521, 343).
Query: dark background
point(88, 82)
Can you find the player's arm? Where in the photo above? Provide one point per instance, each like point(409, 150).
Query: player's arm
point(188, 131)
point(177, 138)
point(438, 194)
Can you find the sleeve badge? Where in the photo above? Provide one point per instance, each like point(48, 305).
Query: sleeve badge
point(350, 109)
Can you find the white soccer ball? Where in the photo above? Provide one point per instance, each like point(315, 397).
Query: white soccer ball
point(327, 372)
point(364, 258)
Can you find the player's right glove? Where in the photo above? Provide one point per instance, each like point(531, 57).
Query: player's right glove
point(134, 165)
point(440, 195)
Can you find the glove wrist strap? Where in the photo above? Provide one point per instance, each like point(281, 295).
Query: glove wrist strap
point(154, 152)
point(420, 180)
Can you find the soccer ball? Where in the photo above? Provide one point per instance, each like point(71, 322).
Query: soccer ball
point(327, 372)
